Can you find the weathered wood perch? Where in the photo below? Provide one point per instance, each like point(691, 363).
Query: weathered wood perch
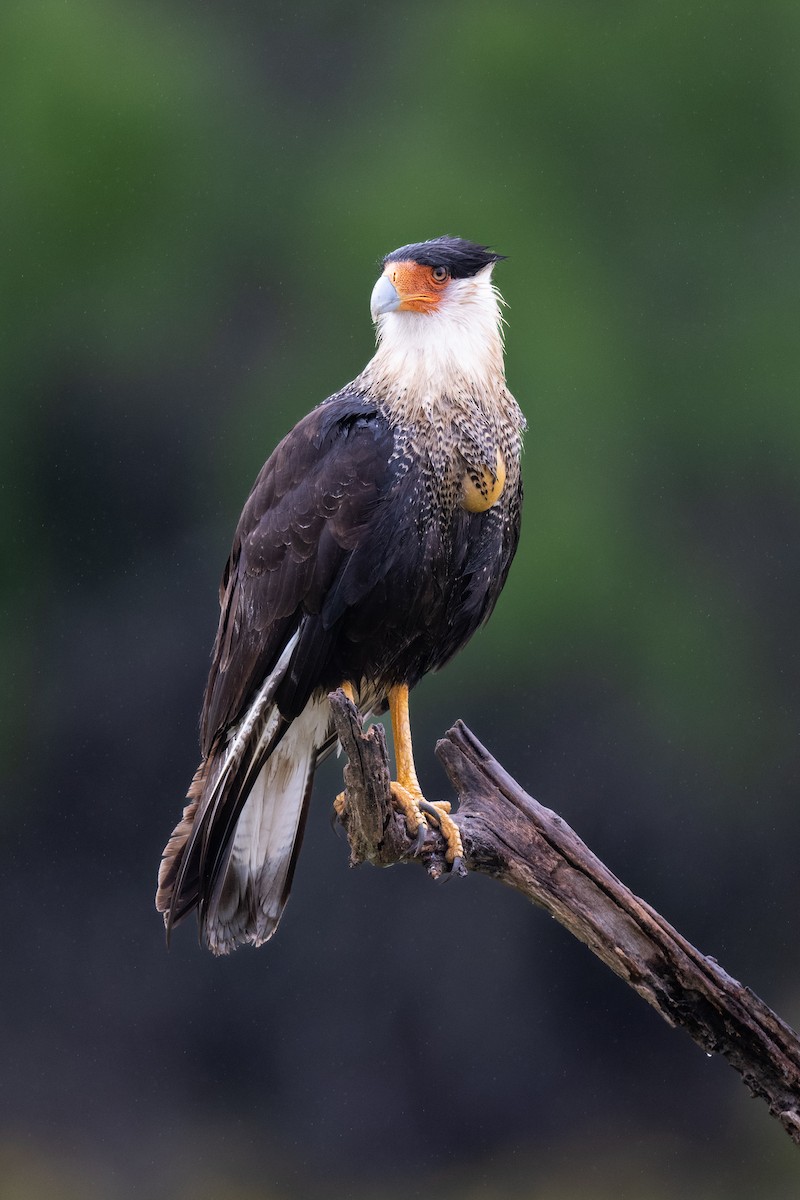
point(511, 837)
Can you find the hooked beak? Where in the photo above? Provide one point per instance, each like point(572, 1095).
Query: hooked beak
point(384, 297)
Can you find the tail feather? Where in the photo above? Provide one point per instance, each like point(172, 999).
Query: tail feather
point(231, 856)
point(196, 852)
point(216, 826)
point(251, 892)
point(174, 850)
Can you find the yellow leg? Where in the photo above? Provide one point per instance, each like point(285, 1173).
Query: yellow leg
point(403, 750)
point(406, 790)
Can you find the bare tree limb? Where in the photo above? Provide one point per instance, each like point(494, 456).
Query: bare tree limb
point(511, 837)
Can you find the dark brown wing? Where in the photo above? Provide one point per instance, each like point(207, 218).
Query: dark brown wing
point(305, 515)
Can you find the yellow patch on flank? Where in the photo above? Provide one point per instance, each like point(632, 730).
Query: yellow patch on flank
point(481, 489)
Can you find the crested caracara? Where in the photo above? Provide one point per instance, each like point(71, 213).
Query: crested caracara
point(375, 541)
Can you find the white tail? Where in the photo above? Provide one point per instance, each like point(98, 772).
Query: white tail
point(248, 903)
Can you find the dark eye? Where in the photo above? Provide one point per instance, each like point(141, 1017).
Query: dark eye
point(440, 274)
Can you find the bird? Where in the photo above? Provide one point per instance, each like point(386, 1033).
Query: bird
point(374, 543)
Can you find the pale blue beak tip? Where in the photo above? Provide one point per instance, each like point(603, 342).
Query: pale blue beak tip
point(384, 298)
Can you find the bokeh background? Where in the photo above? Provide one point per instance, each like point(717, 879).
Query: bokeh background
point(195, 198)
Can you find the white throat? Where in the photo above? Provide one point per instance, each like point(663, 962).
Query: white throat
point(455, 350)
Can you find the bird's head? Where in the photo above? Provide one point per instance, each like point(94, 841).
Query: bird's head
point(437, 315)
point(427, 277)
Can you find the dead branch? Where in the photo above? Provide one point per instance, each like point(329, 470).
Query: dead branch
point(511, 837)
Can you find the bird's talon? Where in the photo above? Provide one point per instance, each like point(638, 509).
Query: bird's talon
point(457, 868)
point(411, 807)
point(440, 811)
point(419, 840)
point(435, 808)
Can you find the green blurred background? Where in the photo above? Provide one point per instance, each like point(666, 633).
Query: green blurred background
point(194, 201)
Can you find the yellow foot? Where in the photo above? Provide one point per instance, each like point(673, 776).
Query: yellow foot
point(440, 811)
point(408, 803)
point(414, 807)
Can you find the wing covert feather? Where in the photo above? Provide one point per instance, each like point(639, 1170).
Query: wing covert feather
point(306, 513)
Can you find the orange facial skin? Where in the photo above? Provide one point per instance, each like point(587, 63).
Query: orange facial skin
point(416, 286)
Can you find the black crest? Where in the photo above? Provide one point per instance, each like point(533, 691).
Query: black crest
point(461, 258)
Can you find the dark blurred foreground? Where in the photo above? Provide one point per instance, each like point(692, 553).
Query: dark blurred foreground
point(196, 201)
